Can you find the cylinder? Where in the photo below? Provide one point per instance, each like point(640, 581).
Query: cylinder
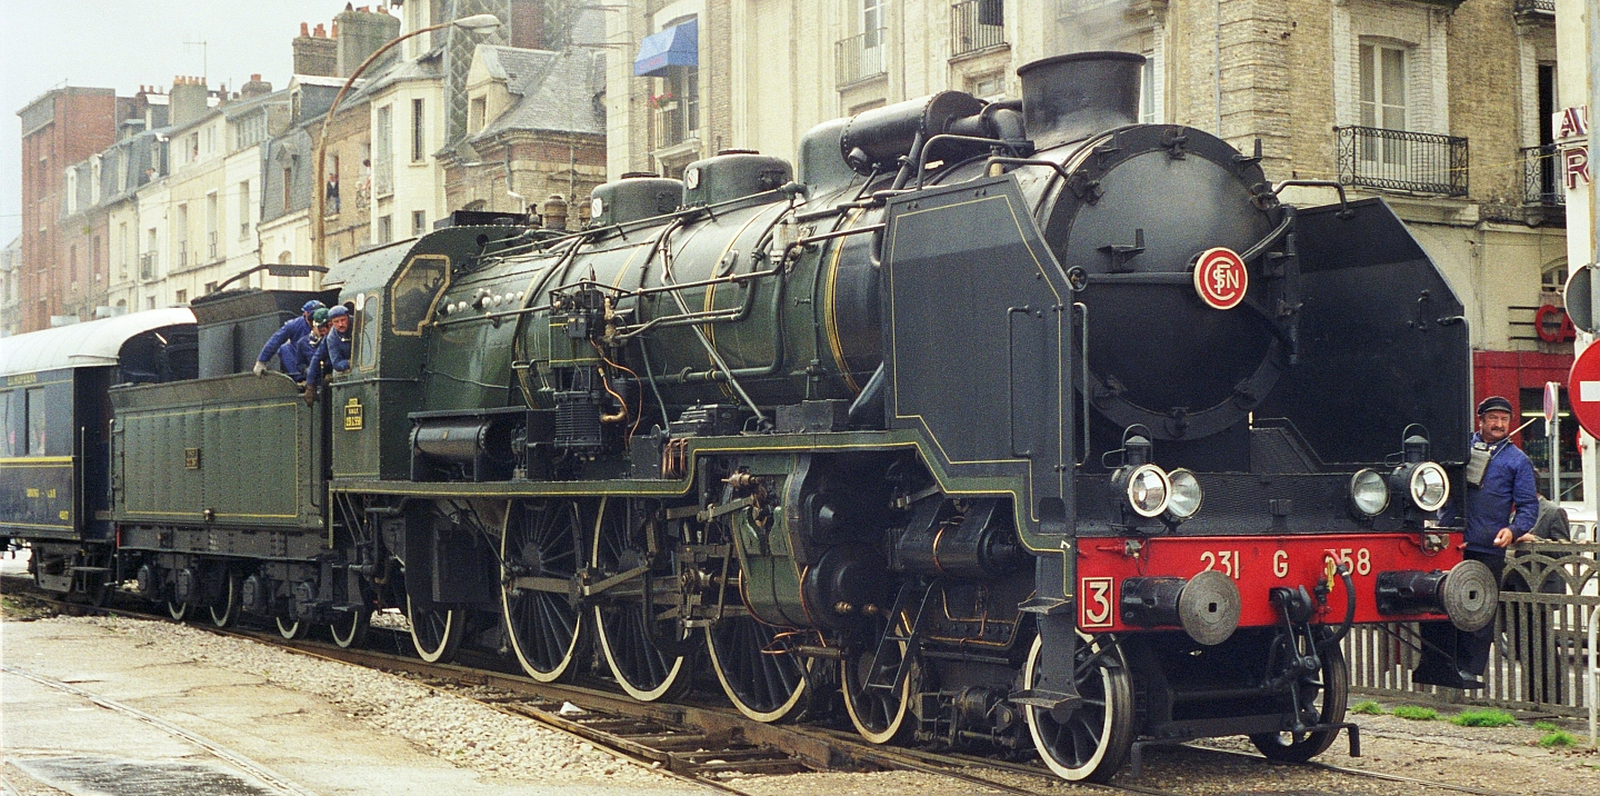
point(1068, 98)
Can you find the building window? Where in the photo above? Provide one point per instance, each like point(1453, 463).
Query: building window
point(419, 138)
point(180, 236)
point(1383, 86)
point(419, 223)
point(211, 287)
point(383, 152)
point(213, 244)
point(288, 177)
point(678, 106)
point(122, 250)
point(182, 297)
point(385, 229)
point(862, 55)
point(330, 191)
point(72, 191)
point(244, 209)
point(477, 110)
point(990, 86)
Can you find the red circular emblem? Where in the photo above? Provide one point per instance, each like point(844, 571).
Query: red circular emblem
point(1221, 278)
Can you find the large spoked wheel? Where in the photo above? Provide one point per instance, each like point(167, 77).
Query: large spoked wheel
point(435, 632)
point(351, 629)
point(179, 611)
point(1092, 742)
point(877, 704)
point(292, 629)
point(1321, 696)
point(226, 612)
point(625, 616)
point(763, 678)
point(542, 550)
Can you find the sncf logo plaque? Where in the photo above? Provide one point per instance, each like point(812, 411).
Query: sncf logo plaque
point(1221, 278)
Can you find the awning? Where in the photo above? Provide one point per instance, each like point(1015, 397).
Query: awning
point(678, 45)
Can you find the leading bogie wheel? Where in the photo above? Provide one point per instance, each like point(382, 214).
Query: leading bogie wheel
point(226, 613)
point(178, 610)
point(1322, 694)
point(1091, 742)
point(879, 683)
point(436, 632)
point(625, 617)
point(542, 550)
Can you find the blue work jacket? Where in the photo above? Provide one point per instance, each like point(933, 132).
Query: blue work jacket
point(1508, 497)
point(292, 329)
point(295, 355)
point(334, 351)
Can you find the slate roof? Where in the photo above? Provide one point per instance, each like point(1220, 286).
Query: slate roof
point(556, 91)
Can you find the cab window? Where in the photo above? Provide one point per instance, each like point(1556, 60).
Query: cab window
point(415, 291)
point(366, 333)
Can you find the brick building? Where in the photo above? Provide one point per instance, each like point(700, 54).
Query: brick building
point(59, 129)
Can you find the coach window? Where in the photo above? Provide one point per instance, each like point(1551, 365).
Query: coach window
point(414, 292)
point(367, 331)
point(9, 422)
point(36, 428)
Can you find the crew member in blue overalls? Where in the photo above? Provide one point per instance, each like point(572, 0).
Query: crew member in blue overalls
point(1502, 504)
point(333, 352)
point(292, 329)
point(295, 355)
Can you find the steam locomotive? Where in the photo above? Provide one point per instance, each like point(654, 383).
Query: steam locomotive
point(1006, 424)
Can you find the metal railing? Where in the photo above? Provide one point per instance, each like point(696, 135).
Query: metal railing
point(976, 25)
point(1549, 604)
point(1401, 160)
point(1541, 176)
point(147, 266)
point(211, 245)
point(1534, 7)
point(672, 125)
point(183, 254)
point(860, 57)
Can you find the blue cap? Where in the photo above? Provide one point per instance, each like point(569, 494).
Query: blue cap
point(311, 306)
point(338, 311)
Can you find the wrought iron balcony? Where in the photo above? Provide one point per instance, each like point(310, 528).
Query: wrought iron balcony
point(1541, 177)
point(672, 125)
point(976, 25)
point(147, 266)
point(1401, 160)
point(1545, 8)
point(860, 57)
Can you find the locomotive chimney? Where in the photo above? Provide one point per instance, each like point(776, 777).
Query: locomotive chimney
point(1071, 97)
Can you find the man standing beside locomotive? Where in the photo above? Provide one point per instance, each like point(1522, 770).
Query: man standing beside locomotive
point(333, 352)
point(292, 330)
point(1500, 485)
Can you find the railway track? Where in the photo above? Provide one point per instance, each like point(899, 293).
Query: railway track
point(712, 745)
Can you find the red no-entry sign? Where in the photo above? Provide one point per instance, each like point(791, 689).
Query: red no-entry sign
point(1583, 390)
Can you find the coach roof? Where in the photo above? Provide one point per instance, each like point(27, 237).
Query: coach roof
point(83, 344)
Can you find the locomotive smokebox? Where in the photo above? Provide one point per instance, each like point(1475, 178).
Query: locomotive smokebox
point(1068, 98)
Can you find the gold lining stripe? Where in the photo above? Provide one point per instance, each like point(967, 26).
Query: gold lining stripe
point(9, 524)
point(34, 461)
point(830, 312)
